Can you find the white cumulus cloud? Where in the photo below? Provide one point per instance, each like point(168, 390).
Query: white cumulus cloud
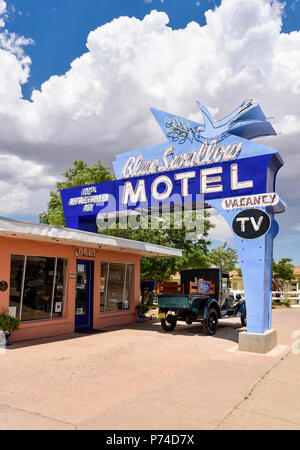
point(2, 13)
point(222, 231)
point(100, 106)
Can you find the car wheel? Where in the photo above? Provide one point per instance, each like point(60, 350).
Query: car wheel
point(169, 322)
point(244, 318)
point(211, 322)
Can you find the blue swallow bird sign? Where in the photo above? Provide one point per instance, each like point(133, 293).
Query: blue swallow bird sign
point(214, 160)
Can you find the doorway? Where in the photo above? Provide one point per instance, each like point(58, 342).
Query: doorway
point(84, 295)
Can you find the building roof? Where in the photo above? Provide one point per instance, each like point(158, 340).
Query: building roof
point(297, 270)
point(67, 236)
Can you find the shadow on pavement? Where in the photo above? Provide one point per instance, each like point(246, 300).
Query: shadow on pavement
point(62, 337)
point(228, 331)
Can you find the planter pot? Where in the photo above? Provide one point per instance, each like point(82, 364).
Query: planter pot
point(4, 338)
point(141, 316)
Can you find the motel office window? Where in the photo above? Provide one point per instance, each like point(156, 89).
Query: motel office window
point(116, 286)
point(37, 287)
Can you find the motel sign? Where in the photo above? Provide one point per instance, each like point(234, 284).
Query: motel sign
point(217, 161)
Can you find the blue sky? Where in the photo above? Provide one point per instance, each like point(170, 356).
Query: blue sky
point(60, 28)
point(240, 49)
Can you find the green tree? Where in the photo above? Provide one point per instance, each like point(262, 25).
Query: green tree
point(78, 175)
point(195, 253)
point(224, 258)
point(283, 271)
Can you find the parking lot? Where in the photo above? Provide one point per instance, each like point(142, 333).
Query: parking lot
point(139, 377)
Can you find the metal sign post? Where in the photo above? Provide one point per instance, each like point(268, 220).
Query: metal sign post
point(256, 260)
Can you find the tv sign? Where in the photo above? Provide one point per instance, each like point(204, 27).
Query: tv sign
point(251, 223)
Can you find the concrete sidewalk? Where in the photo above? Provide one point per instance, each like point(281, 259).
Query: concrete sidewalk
point(273, 403)
point(139, 377)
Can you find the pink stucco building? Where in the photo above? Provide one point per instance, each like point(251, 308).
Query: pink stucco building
point(59, 280)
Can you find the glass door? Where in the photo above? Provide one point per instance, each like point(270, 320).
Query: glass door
point(84, 295)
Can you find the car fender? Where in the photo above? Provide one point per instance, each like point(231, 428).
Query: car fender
point(211, 303)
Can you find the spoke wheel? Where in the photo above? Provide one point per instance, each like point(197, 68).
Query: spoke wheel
point(169, 322)
point(211, 322)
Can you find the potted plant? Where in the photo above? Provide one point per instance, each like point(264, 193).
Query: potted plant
point(141, 311)
point(8, 324)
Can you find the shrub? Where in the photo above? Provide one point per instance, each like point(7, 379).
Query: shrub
point(144, 308)
point(8, 323)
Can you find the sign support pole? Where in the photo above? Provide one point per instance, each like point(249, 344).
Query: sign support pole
point(256, 260)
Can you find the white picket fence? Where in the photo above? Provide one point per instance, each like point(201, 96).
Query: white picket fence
point(286, 295)
point(278, 295)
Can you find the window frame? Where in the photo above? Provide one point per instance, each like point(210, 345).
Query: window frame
point(126, 264)
point(65, 281)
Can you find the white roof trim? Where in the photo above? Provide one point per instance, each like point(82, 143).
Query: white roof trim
point(68, 236)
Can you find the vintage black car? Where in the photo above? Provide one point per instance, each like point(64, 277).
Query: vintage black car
point(202, 296)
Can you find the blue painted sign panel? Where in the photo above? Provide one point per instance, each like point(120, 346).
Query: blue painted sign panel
point(214, 160)
point(246, 176)
point(212, 141)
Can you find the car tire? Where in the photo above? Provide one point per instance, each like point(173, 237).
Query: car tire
point(244, 318)
point(210, 324)
point(169, 323)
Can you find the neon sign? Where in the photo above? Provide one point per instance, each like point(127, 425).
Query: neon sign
point(217, 160)
point(208, 153)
